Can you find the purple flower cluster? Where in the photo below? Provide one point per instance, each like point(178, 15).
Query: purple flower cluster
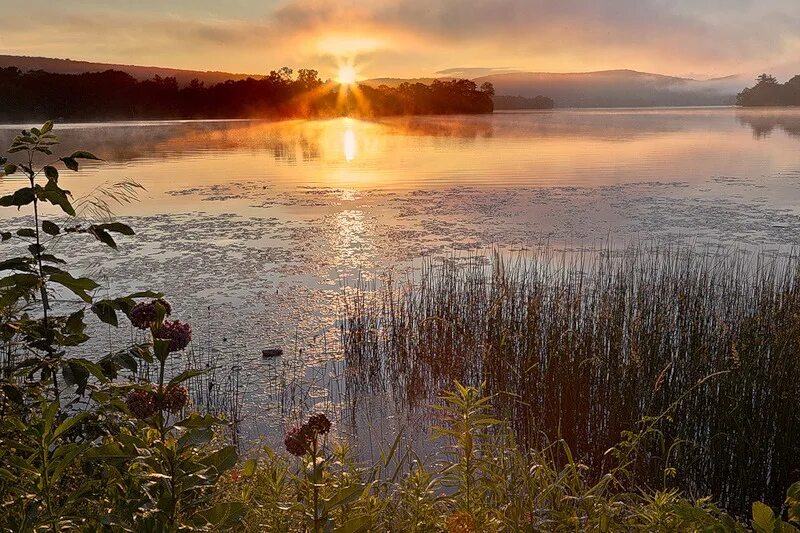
point(178, 333)
point(145, 314)
point(144, 403)
point(319, 423)
point(299, 439)
point(175, 398)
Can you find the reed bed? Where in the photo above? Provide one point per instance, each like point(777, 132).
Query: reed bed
point(585, 346)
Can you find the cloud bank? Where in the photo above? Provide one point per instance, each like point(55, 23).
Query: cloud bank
point(419, 37)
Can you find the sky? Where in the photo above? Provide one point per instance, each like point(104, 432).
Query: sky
point(415, 38)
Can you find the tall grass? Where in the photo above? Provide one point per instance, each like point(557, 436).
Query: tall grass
point(583, 347)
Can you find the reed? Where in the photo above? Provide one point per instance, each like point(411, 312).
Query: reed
point(583, 347)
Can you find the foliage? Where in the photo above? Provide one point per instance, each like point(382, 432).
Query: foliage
point(768, 92)
point(583, 347)
point(77, 451)
point(117, 95)
point(484, 481)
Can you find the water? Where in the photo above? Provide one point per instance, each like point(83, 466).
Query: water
point(252, 229)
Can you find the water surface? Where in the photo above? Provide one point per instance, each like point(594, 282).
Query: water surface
point(252, 228)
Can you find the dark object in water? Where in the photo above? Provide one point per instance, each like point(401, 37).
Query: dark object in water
point(272, 352)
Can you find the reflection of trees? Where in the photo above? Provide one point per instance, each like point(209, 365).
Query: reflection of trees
point(763, 124)
point(122, 143)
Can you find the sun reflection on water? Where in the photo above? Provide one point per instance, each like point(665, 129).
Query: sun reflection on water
point(349, 144)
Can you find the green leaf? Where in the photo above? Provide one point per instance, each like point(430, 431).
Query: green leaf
point(102, 236)
point(50, 172)
point(6, 235)
point(13, 393)
point(117, 227)
point(161, 349)
point(343, 497)
point(20, 281)
point(82, 154)
point(75, 374)
point(75, 322)
point(56, 196)
point(111, 450)
point(106, 312)
point(26, 232)
point(21, 197)
point(763, 518)
point(79, 286)
point(221, 516)
point(50, 228)
point(47, 127)
point(17, 263)
point(68, 423)
point(249, 468)
point(186, 374)
point(9, 169)
point(222, 459)
point(354, 525)
point(196, 420)
point(195, 437)
point(70, 163)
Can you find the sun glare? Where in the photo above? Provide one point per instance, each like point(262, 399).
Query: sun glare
point(346, 75)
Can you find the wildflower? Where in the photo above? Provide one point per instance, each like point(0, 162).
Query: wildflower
point(145, 314)
point(297, 441)
point(178, 333)
point(319, 423)
point(175, 398)
point(142, 403)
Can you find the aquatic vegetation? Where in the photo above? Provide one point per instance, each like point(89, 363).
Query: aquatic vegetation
point(481, 480)
point(583, 347)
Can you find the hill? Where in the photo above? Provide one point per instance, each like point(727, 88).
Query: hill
point(69, 66)
point(610, 88)
point(615, 88)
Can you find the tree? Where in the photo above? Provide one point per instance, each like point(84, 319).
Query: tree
point(766, 79)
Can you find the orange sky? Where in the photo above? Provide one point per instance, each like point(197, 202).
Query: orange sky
point(408, 38)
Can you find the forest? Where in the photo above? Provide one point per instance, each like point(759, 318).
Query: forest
point(768, 92)
point(116, 95)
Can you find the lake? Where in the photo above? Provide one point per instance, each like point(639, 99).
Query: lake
point(253, 229)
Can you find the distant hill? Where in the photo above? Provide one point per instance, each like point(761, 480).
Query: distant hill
point(68, 66)
point(615, 88)
point(520, 102)
point(395, 82)
point(610, 88)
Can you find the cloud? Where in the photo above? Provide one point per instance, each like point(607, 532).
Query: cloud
point(420, 37)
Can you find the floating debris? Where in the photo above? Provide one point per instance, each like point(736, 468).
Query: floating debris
point(272, 352)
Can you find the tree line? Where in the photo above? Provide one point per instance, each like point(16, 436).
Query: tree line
point(768, 92)
point(116, 95)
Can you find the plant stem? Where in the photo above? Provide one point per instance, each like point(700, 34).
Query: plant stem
point(37, 254)
point(316, 489)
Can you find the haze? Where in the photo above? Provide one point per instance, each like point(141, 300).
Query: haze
point(411, 38)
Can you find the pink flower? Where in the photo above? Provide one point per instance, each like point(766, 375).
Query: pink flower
point(142, 403)
point(145, 314)
point(175, 398)
point(319, 423)
point(297, 441)
point(179, 334)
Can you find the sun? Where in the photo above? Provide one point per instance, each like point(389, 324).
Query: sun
point(347, 75)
